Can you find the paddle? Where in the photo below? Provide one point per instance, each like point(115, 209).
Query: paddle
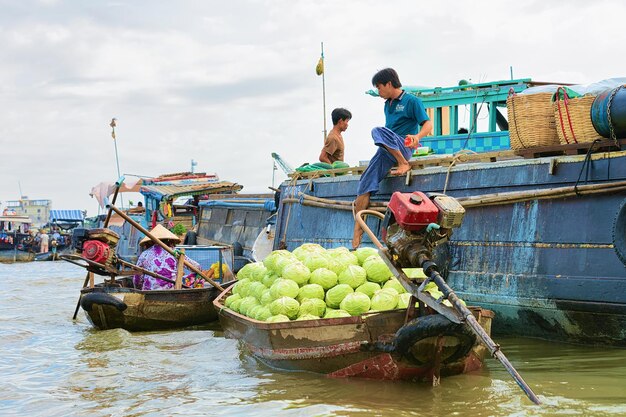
point(118, 184)
point(163, 245)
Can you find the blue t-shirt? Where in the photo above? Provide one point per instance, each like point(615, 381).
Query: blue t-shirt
point(404, 114)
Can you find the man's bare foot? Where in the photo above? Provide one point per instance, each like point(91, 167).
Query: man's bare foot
point(356, 238)
point(401, 169)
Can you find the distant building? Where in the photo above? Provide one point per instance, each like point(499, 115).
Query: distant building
point(37, 210)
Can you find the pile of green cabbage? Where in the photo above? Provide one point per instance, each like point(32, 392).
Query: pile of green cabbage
point(312, 283)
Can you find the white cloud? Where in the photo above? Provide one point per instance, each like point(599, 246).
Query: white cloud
point(228, 83)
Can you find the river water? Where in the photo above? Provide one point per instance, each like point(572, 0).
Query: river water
point(52, 366)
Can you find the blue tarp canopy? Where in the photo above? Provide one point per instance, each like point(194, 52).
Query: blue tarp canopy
point(66, 216)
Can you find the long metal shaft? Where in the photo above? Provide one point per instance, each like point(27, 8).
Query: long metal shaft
point(478, 330)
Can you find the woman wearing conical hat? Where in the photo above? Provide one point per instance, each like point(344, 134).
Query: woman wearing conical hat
point(155, 259)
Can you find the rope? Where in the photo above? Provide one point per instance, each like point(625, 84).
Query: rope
point(569, 119)
point(457, 157)
point(512, 96)
point(586, 165)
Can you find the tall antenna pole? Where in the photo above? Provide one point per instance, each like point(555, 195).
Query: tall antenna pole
point(20, 187)
point(324, 92)
point(113, 124)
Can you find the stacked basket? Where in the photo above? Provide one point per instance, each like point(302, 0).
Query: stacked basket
point(573, 117)
point(531, 120)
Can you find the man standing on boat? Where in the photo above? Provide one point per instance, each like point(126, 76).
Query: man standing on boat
point(404, 114)
point(44, 242)
point(333, 145)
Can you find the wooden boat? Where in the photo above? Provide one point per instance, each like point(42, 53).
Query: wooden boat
point(543, 243)
point(376, 346)
point(116, 304)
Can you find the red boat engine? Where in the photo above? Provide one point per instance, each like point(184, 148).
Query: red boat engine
point(96, 245)
point(96, 251)
point(415, 223)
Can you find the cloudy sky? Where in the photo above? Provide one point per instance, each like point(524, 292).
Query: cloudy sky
point(227, 83)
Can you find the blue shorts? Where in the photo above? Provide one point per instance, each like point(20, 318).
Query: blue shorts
point(382, 161)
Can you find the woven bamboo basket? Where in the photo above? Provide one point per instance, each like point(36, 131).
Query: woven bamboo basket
point(531, 120)
point(573, 119)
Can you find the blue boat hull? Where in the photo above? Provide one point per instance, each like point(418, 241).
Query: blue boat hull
point(549, 268)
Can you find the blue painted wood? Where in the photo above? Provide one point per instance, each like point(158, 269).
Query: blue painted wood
point(548, 268)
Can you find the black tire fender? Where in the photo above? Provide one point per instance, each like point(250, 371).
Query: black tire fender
point(432, 326)
point(191, 238)
point(88, 300)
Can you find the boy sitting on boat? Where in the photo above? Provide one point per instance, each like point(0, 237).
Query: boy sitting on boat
point(155, 259)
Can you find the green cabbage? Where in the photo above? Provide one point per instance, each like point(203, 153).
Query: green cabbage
point(336, 294)
point(356, 303)
point(308, 317)
point(284, 287)
point(384, 300)
point(338, 251)
point(273, 258)
point(395, 284)
point(230, 299)
point(254, 271)
point(346, 258)
point(403, 300)
point(252, 311)
point(285, 305)
point(363, 253)
point(297, 272)
point(324, 277)
point(313, 306)
point(269, 279)
point(247, 303)
point(284, 262)
point(433, 290)
point(277, 318)
point(368, 288)
point(311, 291)
point(236, 304)
point(307, 249)
point(316, 261)
point(353, 275)
point(377, 270)
point(263, 313)
point(333, 314)
point(266, 297)
point(414, 272)
point(335, 266)
point(256, 289)
point(391, 290)
point(241, 287)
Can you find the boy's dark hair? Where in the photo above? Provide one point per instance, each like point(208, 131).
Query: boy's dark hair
point(340, 114)
point(384, 76)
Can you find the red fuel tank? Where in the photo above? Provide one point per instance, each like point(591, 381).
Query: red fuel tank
point(413, 211)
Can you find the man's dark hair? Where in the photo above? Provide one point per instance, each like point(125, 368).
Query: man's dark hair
point(340, 114)
point(384, 76)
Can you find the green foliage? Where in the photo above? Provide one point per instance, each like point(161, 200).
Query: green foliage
point(179, 229)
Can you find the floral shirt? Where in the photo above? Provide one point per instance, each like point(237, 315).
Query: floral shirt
point(156, 259)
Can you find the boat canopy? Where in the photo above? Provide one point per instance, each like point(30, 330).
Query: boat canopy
point(16, 219)
point(172, 189)
point(66, 216)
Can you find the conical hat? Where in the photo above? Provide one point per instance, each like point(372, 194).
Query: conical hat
point(160, 233)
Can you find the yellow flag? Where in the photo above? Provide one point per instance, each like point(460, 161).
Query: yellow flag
point(113, 124)
point(319, 69)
